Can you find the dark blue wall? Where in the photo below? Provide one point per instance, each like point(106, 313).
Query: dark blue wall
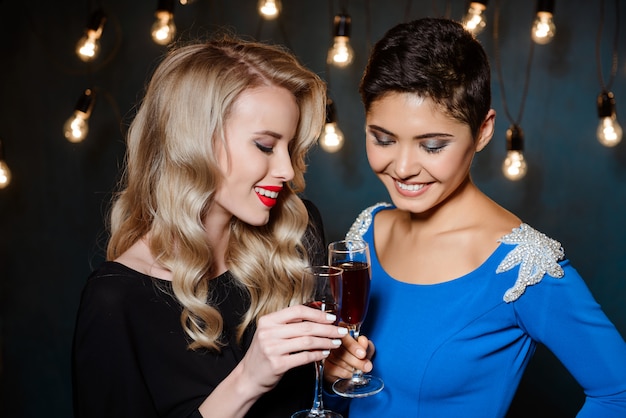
point(51, 217)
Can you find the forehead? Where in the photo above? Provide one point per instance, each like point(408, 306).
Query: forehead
point(401, 112)
point(266, 108)
point(398, 105)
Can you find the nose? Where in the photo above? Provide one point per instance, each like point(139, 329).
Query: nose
point(407, 163)
point(281, 165)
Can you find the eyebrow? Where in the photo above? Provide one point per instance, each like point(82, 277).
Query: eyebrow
point(269, 133)
point(424, 136)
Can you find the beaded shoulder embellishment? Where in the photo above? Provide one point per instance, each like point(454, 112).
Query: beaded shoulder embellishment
point(535, 253)
point(363, 221)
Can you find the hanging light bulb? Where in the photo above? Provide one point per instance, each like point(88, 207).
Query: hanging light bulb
point(609, 131)
point(77, 126)
point(164, 29)
point(5, 173)
point(514, 166)
point(543, 29)
point(88, 46)
point(341, 53)
point(269, 9)
point(474, 20)
point(332, 137)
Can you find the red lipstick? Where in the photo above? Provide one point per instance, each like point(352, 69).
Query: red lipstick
point(268, 195)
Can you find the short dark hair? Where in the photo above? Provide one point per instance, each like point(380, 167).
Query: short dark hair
point(434, 58)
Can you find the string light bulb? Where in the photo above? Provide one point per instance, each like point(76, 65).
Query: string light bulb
point(88, 46)
point(514, 166)
point(474, 19)
point(270, 9)
point(164, 29)
point(341, 53)
point(609, 131)
point(5, 173)
point(332, 138)
point(77, 126)
point(544, 29)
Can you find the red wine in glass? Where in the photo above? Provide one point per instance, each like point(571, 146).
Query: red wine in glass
point(324, 306)
point(354, 258)
point(356, 290)
point(321, 289)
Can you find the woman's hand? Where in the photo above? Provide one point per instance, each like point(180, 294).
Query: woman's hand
point(288, 338)
point(353, 354)
point(283, 340)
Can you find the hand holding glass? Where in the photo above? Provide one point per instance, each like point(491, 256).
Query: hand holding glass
point(354, 258)
point(321, 287)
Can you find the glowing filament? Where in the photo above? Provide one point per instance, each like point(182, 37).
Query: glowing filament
point(609, 131)
point(76, 127)
point(88, 46)
point(269, 9)
point(341, 53)
point(5, 174)
point(474, 20)
point(332, 138)
point(163, 29)
point(514, 166)
point(543, 30)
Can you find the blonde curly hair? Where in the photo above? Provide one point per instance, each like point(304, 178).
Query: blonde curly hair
point(171, 176)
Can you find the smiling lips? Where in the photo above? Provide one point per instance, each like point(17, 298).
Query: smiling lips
point(268, 194)
point(408, 190)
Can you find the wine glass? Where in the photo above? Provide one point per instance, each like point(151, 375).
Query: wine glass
point(321, 289)
point(354, 258)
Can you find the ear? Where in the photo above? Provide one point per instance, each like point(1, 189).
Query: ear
point(486, 130)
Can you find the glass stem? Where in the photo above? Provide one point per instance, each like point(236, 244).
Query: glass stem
point(318, 403)
point(357, 375)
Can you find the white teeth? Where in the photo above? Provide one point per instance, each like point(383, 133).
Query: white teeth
point(266, 193)
point(409, 187)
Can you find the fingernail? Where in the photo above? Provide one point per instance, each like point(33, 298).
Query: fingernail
point(343, 331)
point(326, 353)
point(368, 367)
point(360, 353)
point(337, 342)
point(331, 317)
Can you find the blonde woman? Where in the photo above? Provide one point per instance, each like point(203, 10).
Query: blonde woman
point(195, 313)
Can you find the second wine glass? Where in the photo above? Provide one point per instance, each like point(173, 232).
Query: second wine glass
point(321, 289)
point(354, 258)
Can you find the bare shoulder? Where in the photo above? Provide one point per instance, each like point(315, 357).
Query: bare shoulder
point(492, 221)
point(497, 227)
point(384, 222)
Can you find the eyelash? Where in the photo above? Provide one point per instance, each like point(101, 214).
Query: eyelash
point(379, 141)
point(434, 150)
point(264, 149)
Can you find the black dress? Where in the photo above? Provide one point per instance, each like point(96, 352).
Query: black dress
point(130, 355)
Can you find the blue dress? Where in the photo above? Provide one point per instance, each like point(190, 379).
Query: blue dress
point(459, 348)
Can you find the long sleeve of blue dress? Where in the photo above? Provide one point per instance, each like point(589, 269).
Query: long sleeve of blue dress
point(563, 315)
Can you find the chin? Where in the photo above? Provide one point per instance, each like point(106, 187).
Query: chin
point(257, 221)
point(405, 204)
